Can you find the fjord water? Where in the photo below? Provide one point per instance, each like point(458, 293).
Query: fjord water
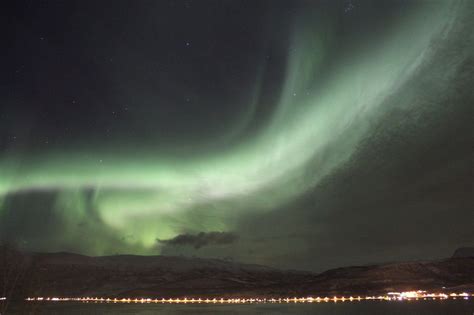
point(453, 307)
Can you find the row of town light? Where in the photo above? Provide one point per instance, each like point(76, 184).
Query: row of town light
point(392, 296)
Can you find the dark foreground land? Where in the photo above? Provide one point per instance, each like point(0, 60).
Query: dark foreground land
point(72, 275)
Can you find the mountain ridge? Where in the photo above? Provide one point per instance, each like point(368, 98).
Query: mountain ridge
point(69, 274)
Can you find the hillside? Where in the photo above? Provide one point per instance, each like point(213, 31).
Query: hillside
point(464, 252)
point(65, 274)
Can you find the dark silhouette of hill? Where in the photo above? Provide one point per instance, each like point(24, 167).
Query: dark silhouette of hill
point(67, 274)
point(464, 252)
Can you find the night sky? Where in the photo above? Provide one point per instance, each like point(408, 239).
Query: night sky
point(296, 134)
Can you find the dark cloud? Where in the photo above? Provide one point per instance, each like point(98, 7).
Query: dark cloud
point(201, 239)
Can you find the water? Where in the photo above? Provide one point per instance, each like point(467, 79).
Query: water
point(452, 307)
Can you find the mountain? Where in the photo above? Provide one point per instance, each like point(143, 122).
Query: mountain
point(66, 274)
point(464, 252)
point(454, 274)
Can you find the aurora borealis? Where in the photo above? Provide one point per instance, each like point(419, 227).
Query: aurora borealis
point(318, 133)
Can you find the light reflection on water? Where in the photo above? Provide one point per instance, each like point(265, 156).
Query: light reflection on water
point(464, 307)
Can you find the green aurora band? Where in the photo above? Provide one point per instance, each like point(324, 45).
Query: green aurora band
point(317, 124)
